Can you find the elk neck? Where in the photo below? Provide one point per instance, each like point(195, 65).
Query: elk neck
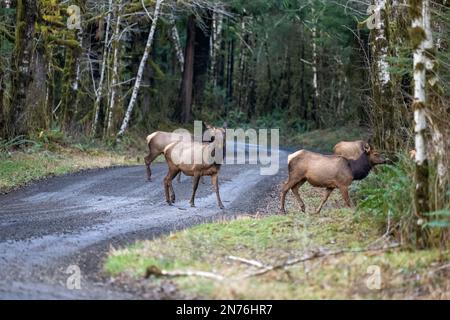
point(217, 144)
point(360, 167)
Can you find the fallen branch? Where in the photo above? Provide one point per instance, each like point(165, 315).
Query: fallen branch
point(312, 256)
point(443, 267)
point(254, 263)
point(155, 271)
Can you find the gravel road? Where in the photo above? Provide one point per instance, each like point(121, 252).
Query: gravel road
point(74, 219)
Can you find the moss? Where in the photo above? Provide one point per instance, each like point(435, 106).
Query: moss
point(417, 36)
point(420, 66)
point(415, 8)
point(72, 43)
point(418, 105)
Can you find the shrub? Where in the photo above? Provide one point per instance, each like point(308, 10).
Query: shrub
point(389, 196)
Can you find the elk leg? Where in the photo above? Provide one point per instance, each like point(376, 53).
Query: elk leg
point(327, 194)
point(215, 183)
point(168, 188)
point(344, 192)
point(148, 161)
point(195, 182)
point(297, 195)
point(179, 177)
point(287, 186)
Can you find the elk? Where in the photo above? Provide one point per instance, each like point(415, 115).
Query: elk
point(182, 156)
point(350, 149)
point(328, 172)
point(158, 140)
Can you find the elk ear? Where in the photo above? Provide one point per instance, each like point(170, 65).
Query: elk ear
point(367, 148)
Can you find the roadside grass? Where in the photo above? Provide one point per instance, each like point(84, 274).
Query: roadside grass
point(324, 140)
point(272, 240)
point(49, 154)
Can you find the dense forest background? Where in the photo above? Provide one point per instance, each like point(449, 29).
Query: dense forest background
point(102, 69)
point(297, 65)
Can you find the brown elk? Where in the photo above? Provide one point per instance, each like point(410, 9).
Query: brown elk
point(183, 157)
point(158, 140)
point(328, 172)
point(350, 149)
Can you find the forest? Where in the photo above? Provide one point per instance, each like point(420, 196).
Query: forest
point(110, 71)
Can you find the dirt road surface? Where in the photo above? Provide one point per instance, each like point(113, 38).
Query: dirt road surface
point(74, 219)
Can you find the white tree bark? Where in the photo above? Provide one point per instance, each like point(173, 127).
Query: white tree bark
point(115, 71)
point(76, 83)
point(99, 91)
point(215, 43)
point(176, 41)
point(381, 42)
point(315, 61)
point(137, 84)
point(419, 24)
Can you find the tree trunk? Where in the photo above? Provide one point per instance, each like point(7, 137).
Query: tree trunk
point(176, 41)
point(420, 13)
point(201, 56)
point(303, 104)
point(384, 114)
point(216, 41)
point(29, 74)
point(230, 70)
point(2, 109)
point(186, 93)
point(70, 84)
point(137, 84)
point(99, 91)
point(316, 95)
point(113, 102)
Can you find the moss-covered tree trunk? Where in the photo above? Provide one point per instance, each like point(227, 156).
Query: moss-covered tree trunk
point(2, 107)
point(137, 83)
point(28, 108)
point(382, 117)
point(69, 95)
point(421, 38)
point(115, 90)
point(99, 90)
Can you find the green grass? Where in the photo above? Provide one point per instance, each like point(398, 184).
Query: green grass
point(326, 139)
point(19, 168)
point(49, 153)
point(274, 239)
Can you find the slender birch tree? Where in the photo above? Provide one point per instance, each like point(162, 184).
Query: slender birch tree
point(99, 90)
point(422, 41)
point(115, 69)
point(137, 83)
point(176, 41)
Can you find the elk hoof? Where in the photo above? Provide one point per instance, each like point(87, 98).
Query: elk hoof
point(192, 205)
point(282, 211)
point(303, 208)
point(221, 206)
point(149, 179)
